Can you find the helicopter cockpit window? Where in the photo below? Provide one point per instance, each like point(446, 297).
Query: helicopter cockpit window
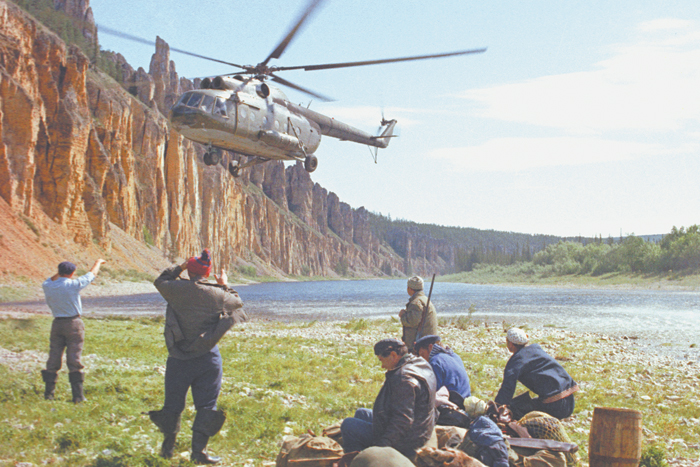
point(184, 98)
point(194, 100)
point(220, 107)
point(207, 103)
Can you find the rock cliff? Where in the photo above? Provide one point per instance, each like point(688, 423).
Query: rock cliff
point(83, 155)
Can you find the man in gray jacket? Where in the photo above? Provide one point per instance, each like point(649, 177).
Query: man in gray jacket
point(196, 318)
point(403, 416)
point(416, 319)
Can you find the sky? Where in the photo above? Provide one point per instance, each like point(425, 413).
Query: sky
point(581, 118)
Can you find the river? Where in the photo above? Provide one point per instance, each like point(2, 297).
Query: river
point(664, 319)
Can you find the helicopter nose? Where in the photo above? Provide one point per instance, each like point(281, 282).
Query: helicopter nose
point(182, 116)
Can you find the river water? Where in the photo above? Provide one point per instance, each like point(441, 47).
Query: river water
point(670, 319)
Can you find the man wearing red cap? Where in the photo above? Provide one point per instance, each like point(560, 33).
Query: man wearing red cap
point(198, 315)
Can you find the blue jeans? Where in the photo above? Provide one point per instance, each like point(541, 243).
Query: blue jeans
point(202, 374)
point(357, 431)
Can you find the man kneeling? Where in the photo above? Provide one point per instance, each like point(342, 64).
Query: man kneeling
point(404, 414)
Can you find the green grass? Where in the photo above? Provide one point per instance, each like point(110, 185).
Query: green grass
point(285, 378)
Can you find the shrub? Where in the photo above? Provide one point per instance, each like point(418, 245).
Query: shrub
point(653, 456)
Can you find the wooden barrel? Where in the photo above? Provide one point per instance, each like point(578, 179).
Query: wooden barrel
point(616, 438)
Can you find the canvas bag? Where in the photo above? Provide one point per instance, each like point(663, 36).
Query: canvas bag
point(307, 446)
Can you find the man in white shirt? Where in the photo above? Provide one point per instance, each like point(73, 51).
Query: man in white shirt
point(62, 294)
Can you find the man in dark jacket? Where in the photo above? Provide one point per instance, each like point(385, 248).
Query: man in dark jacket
point(404, 413)
point(416, 319)
point(196, 318)
point(540, 373)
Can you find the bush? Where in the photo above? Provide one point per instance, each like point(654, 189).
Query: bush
point(653, 456)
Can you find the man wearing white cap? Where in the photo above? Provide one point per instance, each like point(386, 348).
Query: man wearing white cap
point(417, 319)
point(541, 374)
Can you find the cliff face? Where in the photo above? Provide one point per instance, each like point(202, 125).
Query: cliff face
point(87, 154)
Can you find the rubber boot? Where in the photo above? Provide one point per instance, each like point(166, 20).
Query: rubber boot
point(169, 424)
point(50, 378)
point(76, 379)
point(206, 424)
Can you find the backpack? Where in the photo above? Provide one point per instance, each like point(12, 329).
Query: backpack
point(320, 451)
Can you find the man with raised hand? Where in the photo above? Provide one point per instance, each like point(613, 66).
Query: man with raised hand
point(197, 316)
point(62, 292)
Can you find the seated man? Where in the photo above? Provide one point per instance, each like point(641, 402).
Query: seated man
point(540, 373)
point(448, 368)
point(404, 415)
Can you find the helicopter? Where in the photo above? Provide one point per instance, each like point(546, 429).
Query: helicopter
point(241, 113)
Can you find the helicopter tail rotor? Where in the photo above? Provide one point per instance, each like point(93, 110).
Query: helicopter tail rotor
point(384, 136)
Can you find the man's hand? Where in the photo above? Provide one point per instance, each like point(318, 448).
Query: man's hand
point(96, 268)
point(183, 266)
point(222, 278)
point(401, 313)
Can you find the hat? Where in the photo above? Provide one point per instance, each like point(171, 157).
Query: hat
point(387, 345)
point(425, 341)
point(200, 266)
point(66, 268)
point(415, 283)
point(516, 336)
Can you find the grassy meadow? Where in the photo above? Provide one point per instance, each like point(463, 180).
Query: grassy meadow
point(284, 379)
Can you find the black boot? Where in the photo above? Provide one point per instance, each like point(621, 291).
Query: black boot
point(50, 378)
point(76, 379)
point(169, 424)
point(207, 423)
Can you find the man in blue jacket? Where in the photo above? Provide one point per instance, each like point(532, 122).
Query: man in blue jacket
point(541, 374)
point(448, 366)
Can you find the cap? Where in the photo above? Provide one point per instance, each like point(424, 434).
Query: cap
point(416, 283)
point(425, 341)
point(387, 345)
point(517, 336)
point(66, 268)
point(200, 266)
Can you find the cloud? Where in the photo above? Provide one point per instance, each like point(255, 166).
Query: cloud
point(650, 85)
point(515, 154)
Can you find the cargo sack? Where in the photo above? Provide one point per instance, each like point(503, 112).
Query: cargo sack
point(450, 436)
point(544, 426)
point(431, 457)
point(308, 451)
point(333, 432)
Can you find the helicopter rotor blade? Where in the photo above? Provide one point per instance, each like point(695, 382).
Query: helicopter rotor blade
point(123, 35)
point(279, 50)
point(328, 66)
point(289, 84)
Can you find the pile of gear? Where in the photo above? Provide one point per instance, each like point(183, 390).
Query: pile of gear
point(489, 437)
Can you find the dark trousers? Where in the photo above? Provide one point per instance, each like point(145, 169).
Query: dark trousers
point(523, 404)
point(357, 431)
point(66, 334)
point(202, 374)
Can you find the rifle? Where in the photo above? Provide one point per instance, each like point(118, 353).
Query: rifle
point(425, 310)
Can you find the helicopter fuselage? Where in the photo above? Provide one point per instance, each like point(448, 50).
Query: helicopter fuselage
point(251, 118)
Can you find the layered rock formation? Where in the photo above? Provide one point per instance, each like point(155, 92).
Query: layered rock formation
point(88, 153)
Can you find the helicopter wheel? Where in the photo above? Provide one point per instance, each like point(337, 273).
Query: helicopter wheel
point(310, 163)
point(233, 169)
point(215, 157)
point(207, 158)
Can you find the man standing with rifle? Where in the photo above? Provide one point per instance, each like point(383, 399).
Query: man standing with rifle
point(419, 317)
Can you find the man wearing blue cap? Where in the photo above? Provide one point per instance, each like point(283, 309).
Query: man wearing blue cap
point(448, 367)
point(62, 294)
point(404, 415)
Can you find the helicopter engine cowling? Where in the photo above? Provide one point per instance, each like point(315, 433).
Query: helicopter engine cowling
point(278, 140)
point(225, 83)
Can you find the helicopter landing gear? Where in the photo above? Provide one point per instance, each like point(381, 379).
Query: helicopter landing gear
point(310, 163)
point(234, 169)
point(212, 157)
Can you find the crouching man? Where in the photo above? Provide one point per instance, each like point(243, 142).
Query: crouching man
point(196, 318)
point(404, 413)
point(540, 373)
